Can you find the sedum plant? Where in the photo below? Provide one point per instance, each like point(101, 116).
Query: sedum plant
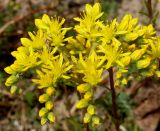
point(126, 49)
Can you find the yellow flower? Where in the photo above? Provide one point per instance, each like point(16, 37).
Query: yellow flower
point(44, 23)
point(25, 58)
point(37, 42)
point(107, 37)
point(89, 67)
point(93, 12)
point(59, 67)
point(46, 79)
point(49, 25)
point(53, 27)
point(51, 72)
point(89, 24)
point(112, 53)
point(47, 55)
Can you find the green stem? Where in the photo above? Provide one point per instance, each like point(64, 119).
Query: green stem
point(114, 105)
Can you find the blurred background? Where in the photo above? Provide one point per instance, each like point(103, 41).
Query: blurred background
point(139, 104)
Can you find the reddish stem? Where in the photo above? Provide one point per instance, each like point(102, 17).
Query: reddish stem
point(149, 7)
point(114, 105)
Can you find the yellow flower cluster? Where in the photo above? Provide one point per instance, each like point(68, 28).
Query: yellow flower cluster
point(42, 52)
point(130, 48)
point(125, 45)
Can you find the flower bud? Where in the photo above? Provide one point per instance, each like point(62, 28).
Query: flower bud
point(42, 112)
point(95, 120)
point(143, 63)
point(43, 98)
point(11, 80)
point(87, 118)
point(137, 54)
point(82, 88)
point(9, 70)
point(118, 75)
point(130, 37)
point(125, 60)
point(49, 105)
point(51, 117)
point(43, 120)
point(88, 95)
point(158, 73)
point(82, 103)
point(91, 110)
point(13, 89)
point(50, 91)
point(124, 81)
